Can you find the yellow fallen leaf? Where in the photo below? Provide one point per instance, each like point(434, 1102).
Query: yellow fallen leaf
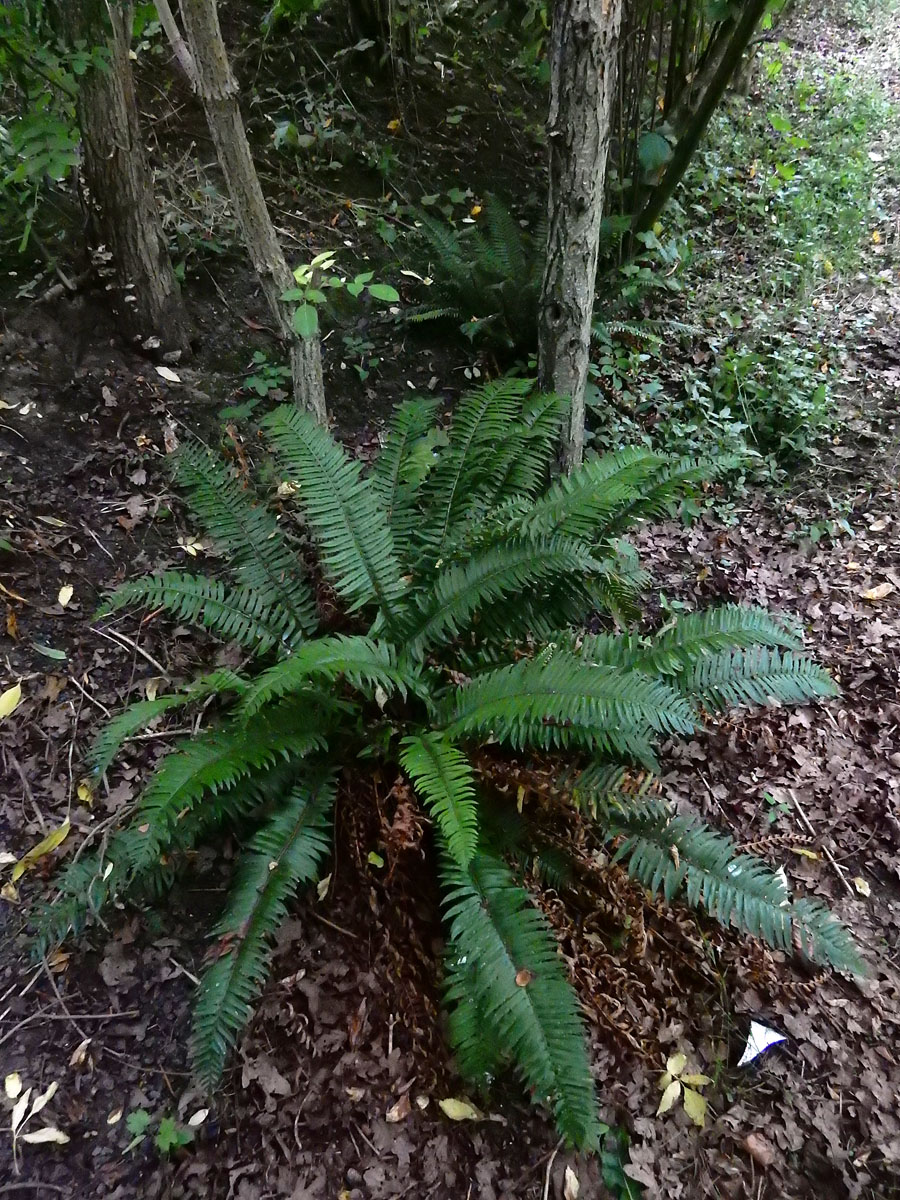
point(571, 1186)
point(695, 1106)
point(9, 893)
point(46, 1135)
point(854, 567)
point(696, 1080)
point(44, 847)
point(85, 792)
point(676, 1064)
point(460, 1110)
point(43, 1099)
point(669, 1096)
point(114, 1117)
point(476, 209)
point(394, 125)
point(876, 237)
point(805, 852)
point(65, 595)
point(12, 1085)
point(880, 592)
point(862, 887)
point(10, 700)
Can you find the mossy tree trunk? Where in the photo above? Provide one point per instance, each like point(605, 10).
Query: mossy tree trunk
point(583, 57)
point(145, 294)
point(211, 75)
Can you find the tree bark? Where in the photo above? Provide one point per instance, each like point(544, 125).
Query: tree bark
point(583, 56)
point(218, 91)
point(146, 294)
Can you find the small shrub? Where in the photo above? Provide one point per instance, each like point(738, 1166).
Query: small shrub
point(466, 579)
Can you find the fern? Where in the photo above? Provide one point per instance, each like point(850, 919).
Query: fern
point(285, 853)
point(443, 777)
point(139, 715)
point(240, 614)
point(245, 530)
point(757, 675)
point(466, 579)
point(670, 853)
point(341, 509)
point(510, 965)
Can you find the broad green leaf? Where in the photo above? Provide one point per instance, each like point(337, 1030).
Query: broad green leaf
point(384, 291)
point(306, 320)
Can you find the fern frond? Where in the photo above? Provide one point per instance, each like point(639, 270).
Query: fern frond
point(581, 504)
point(669, 853)
point(479, 426)
point(398, 471)
point(508, 963)
point(285, 853)
point(505, 242)
point(563, 701)
point(692, 636)
point(137, 716)
point(363, 662)
point(342, 510)
point(443, 776)
point(248, 533)
point(757, 675)
point(656, 494)
point(501, 570)
point(240, 614)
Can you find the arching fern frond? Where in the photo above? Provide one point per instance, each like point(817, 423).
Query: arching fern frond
point(693, 636)
point(406, 459)
point(508, 964)
point(342, 510)
point(285, 853)
point(443, 777)
point(758, 675)
point(245, 530)
point(363, 662)
point(564, 701)
point(656, 494)
point(139, 715)
point(242, 614)
point(502, 570)
point(670, 853)
point(479, 426)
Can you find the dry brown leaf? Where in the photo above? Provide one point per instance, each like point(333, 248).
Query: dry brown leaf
point(399, 1111)
point(880, 592)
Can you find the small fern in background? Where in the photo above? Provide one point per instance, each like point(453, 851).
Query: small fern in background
point(486, 277)
point(467, 577)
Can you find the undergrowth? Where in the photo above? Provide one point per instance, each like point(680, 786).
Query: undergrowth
point(465, 577)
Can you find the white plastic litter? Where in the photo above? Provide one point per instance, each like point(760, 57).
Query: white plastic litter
point(759, 1040)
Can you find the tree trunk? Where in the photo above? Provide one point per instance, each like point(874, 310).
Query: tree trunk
point(583, 55)
point(690, 124)
point(218, 91)
point(146, 295)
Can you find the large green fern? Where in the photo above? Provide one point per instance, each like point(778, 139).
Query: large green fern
point(467, 577)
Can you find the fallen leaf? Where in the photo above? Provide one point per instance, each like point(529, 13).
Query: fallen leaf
point(85, 792)
point(877, 526)
point(49, 1134)
point(168, 374)
point(571, 1186)
point(422, 1102)
point(44, 847)
point(114, 1117)
point(862, 887)
point(10, 700)
point(12, 1085)
point(761, 1151)
point(322, 886)
point(79, 1054)
point(9, 893)
point(669, 1096)
point(18, 1112)
point(44, 1099)
point(65, 595)
point(694, 1106)
point(198, 1117)
point(399, 1111)
point(880, 592)
point(460, 1110)
point(676, 1064)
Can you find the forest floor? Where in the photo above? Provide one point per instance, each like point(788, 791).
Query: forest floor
point(334, 1090)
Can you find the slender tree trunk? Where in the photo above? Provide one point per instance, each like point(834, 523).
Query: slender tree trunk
point(211, 73)
point(690, 123)
point(146, 293)
point(583, 56)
